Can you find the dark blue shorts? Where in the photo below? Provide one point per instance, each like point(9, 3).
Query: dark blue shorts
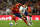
point(17, 14)
point(26, 13)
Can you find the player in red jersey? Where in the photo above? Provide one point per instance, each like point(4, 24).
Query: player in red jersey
point(17, 6)
point(15, 12)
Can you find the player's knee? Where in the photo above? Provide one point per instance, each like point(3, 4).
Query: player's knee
point(13, 16)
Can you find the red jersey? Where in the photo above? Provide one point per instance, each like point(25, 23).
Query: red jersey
point(15, 10)
point(17, 5)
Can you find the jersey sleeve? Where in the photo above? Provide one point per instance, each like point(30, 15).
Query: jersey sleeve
point(20, 8)
point(12, 10)
point(21, 5)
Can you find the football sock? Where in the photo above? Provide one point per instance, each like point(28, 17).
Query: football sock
point(25, 21)
point(14, 19)
point(30, 20)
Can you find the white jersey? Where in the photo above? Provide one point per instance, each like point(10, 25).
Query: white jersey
point(23, 9)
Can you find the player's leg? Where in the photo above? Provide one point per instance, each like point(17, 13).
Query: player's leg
point(22, 18)
point(26, 14)
point(14, 18)
point(30, 20)
point(30, 16)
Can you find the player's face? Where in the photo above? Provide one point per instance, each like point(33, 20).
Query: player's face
point(13, 6)
point(25, 6)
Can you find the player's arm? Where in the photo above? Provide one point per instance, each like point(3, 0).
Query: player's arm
point(21, 12)
point(11, 10)
point(26, 10)
point(12, 13)
point(21, 4)
point(20, 9)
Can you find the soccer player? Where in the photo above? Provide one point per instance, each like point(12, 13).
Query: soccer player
point(29, 14)
point(24, 11)
point(15, 12)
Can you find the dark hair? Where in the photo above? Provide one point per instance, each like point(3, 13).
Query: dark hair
point(13, 3)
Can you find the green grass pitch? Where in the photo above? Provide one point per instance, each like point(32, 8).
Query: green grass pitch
point(5, 23)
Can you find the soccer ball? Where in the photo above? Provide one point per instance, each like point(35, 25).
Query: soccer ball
point(10, 23)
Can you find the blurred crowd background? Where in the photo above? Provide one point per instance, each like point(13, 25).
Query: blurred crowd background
point(6, 5)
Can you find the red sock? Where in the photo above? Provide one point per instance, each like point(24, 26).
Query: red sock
point(25, 21)
point(14, 19)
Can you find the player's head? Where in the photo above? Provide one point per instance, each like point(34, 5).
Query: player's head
point(25, 4)
point(13, 5)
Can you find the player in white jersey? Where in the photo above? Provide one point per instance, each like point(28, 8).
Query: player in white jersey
point(23, 9)
point(24, 12)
